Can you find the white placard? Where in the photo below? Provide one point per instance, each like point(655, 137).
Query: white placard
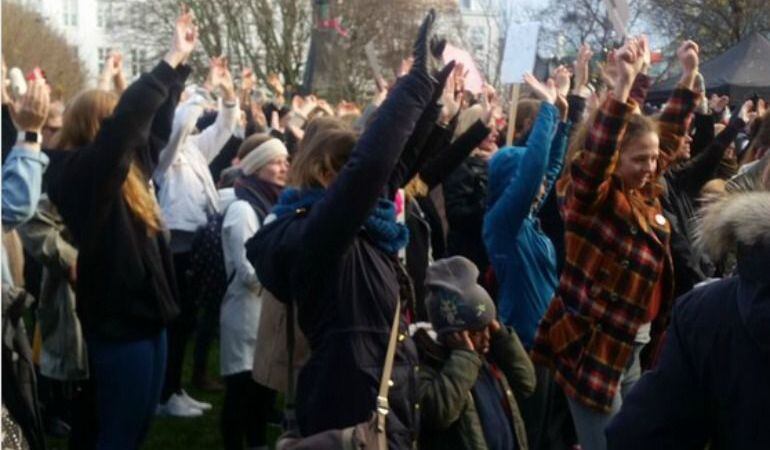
point(618, 13)
point(520, 51)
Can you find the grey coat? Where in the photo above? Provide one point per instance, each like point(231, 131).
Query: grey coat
point(47, 240)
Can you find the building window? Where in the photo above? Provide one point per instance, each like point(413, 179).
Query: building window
point(138, 57)
point(466, 4)
point(103, 13)
point(70, 13)
point(103, 53)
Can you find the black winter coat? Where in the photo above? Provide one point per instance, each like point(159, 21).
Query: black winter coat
point(126, 287)
point(713, 378)
point(345, 287)
point(465, 193)
point(683, 185)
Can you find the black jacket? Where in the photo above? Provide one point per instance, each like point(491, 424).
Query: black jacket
point(465, 193)
point(126, 287)
point(713, 378)
point(683, 184)
point(422, 217)
point(345, 287)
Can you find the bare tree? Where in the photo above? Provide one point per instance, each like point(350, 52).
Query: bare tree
point(567, 26)
point(29, 42)
point(347, 26)
point(266, 35)
point(715, 24)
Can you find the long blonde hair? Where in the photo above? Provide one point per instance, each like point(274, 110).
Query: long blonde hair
point(80, 125)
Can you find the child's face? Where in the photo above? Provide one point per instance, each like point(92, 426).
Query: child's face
point(480, 340)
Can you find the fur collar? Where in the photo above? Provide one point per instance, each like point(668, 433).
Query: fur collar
point(741, 219)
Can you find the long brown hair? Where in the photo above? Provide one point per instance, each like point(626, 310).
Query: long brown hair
point(321, 156)
point(80, 125)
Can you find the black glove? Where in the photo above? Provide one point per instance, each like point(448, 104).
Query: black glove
point(422, 51)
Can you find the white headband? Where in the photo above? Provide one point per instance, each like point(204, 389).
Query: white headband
point(262, 155)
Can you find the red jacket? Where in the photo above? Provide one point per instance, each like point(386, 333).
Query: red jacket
point(615, 255)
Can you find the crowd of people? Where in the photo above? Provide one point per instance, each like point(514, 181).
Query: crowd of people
point(398, 273)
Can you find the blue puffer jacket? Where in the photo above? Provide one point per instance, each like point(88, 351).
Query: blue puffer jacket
point(523, 257)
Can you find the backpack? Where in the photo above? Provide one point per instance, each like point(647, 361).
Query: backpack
point(207, 276)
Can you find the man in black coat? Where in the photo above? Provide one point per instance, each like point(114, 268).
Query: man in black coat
point(712, 383)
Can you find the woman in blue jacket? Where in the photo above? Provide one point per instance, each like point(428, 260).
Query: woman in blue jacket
point(522, 255)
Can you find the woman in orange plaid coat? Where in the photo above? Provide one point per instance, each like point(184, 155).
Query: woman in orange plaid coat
point(616, 289)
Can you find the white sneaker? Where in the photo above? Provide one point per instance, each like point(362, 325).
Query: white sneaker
point(194, 403)
point(176, 406)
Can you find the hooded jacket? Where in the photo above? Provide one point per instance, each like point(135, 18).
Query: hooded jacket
point(712, 380)
point(187, 191)
point(523, 257)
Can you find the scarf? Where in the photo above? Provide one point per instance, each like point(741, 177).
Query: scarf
point(388, 235)
point(260, 194)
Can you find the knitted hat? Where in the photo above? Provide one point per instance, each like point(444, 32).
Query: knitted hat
point(455, 302)
point(262, 155)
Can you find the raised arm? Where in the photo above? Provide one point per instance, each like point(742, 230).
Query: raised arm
point(126, 134)
point(333, 222)
point(414, 154)
point(593, 166)
point(437, 168)
point(674, 118)
point(23, 170)
point(700, 169)
point(522, 183)
point(211, 140)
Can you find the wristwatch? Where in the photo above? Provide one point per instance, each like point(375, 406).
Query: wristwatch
point(29, 137)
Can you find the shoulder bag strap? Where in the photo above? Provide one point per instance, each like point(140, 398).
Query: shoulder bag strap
point(382, 398)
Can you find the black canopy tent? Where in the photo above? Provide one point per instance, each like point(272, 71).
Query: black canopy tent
point(740, 72)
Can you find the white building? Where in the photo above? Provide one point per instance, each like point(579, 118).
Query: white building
point(94, 28)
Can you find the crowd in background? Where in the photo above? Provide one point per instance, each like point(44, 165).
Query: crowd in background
point(394, 269)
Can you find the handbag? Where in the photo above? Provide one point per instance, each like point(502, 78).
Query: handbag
point(369, 435)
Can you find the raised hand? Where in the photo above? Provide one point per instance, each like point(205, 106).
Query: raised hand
point(441, 77)
point(450, 105)
point(582, 69)
point(220, 77)
point(644, 46)
point(184, 40)
point(563, 106)
point(460, 340)
point(275, 82)
point(31, 110)
point(688, 56)
point(423, 50)
point(746, 113)
point(488, 101)
point(546, 92)
point(561, 76)
point(248, 80)
point(629, 61)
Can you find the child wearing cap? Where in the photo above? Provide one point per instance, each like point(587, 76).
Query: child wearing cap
point(470, 370)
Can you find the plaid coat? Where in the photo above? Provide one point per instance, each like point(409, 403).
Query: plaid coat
point(615, 254)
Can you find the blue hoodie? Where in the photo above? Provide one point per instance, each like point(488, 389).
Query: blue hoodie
point(523, 257)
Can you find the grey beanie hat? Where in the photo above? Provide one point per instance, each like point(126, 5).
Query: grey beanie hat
point(455, 302)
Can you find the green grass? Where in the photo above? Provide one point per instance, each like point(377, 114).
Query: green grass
point(171, 433)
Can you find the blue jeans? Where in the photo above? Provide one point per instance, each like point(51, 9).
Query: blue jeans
point(589, 423)
point(129, 377)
